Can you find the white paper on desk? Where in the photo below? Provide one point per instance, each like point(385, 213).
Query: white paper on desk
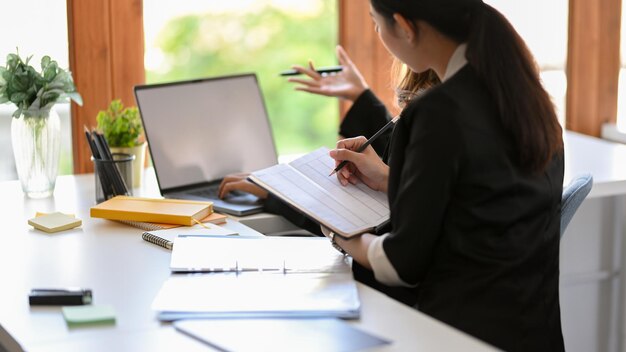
point(305, 184)
point(261, 295)
point(285, 254)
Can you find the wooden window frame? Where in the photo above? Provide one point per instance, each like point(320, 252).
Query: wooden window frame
point(358, 38)
point(106, 51)
point(593, 64)
point(106, 44)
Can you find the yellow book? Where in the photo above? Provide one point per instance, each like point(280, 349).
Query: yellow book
point(168, 211)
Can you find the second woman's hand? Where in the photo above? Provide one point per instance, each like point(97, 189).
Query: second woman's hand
point(348, 84)
point(239, 182)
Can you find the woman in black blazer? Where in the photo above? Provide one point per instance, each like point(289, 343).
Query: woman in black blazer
point(474, 178)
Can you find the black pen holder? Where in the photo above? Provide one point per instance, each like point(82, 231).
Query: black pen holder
point(108, 184)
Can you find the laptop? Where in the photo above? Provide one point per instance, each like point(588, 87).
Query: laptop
point(199, 131)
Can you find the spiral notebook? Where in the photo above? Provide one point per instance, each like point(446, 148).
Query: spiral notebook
point(165, 238)
point(214, 218)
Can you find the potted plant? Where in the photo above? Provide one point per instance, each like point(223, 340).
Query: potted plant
point(122, 130)
point(35, 128)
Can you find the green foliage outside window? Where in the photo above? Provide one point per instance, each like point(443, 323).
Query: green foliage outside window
point(266, 42)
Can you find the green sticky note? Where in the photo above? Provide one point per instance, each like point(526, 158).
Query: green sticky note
point(89, 314)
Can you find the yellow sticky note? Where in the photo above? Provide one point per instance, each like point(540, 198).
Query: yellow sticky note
point(39, 214)
point(54, 222)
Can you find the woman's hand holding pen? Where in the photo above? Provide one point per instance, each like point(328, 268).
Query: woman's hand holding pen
point(366, 167)
point(348, 84)
point(239, 182)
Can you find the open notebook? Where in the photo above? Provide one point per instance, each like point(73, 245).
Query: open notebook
point(304, 184)
point(201, 253)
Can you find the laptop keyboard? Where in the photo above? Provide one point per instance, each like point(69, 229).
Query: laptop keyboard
point(211, 192)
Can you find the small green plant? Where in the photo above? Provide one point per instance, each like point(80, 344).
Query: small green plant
point(35, 92)
point(121, 126)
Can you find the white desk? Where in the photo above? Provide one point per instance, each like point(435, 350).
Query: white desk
point(605, 160)
point(127, 272)
point(592, 249)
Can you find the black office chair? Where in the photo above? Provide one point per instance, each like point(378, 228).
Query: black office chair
point(573, 196)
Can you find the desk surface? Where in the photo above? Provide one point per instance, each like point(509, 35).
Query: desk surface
point(605, 160)
point(127, 272)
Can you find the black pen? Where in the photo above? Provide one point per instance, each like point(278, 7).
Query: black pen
point(116, 177)
point(322, 70)
point(107, 186)
point(367, 143)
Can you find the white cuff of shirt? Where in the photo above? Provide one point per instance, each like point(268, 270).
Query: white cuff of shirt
point(384, 271)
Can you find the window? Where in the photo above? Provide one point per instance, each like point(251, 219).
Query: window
point(544, 27)
point(621, 100)
point(44, 33)
point(188, 39)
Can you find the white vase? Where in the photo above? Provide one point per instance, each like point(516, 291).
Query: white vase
point(138, 164)
point(36, 140)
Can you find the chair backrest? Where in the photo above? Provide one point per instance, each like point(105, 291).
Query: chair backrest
point(573, 195)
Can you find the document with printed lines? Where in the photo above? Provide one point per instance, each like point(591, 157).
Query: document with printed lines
point(304, 184)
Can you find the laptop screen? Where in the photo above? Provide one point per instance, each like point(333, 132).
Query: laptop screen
point(200, 131)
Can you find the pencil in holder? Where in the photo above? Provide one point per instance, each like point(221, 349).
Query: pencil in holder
point(113, 177)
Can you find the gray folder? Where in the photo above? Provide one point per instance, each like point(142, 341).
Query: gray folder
point(277, 335)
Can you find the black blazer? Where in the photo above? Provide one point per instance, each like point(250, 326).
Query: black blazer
point(477, 236)
point(366, 116)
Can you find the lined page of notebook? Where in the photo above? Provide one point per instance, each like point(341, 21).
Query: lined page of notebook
point(305, 183)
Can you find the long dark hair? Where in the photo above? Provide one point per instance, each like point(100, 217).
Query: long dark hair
point(505, 65)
